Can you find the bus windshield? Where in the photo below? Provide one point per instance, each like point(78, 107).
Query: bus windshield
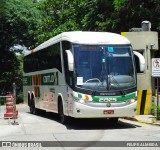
point(104, 68)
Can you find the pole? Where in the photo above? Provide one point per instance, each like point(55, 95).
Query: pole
point(14, 104)
point(157, 100)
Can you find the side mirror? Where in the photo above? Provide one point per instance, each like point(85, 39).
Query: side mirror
point(70, 60)
point(141, 60)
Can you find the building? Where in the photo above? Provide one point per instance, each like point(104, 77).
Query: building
point(144, 41)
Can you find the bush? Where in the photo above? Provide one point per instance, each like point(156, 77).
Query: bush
point(153, 110)
point(19, 98)
point(2, 101)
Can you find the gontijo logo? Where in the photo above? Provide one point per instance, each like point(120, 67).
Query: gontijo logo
point(48, 79)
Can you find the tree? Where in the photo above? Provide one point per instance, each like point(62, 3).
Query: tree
point(58, 17)
point(31, 22)
point(19, 20)
point(126, 14)
point(9, 66)
point(65, 15)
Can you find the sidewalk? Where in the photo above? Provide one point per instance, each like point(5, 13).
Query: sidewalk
point(148, 119)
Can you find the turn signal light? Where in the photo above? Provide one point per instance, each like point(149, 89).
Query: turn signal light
point(86, 97)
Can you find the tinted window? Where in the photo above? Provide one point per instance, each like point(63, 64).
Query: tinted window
point(47, 58)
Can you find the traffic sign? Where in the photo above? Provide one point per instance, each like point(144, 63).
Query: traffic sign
point(155, 67)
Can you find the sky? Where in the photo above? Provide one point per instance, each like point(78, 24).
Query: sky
point(20, 48)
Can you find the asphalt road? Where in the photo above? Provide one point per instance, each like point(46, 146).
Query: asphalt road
point(46, 127)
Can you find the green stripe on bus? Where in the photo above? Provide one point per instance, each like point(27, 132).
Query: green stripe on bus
point(27, 80)
point(110, 98)
point(114, 98)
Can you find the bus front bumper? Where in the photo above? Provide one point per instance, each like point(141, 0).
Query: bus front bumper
point(85, 111)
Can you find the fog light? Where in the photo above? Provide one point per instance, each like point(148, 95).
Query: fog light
point(132, 100)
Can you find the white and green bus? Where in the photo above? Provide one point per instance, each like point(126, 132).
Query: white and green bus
point(82, 75)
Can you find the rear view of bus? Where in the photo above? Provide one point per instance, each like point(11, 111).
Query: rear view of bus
point(98, 76)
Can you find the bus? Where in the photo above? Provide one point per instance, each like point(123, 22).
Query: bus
point(82, 74)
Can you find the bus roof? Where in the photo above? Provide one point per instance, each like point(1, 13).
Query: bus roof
point(84, 37)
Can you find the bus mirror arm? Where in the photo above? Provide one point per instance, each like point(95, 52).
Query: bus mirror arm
point(141, 60)
point(70, 60)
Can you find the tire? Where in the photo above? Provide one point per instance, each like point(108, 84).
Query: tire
point(63, 118)
point(113, 120)
point(33, 109)
point(29, 101)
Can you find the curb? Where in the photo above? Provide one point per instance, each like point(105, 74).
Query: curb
point(130, 118)
point(157, 123)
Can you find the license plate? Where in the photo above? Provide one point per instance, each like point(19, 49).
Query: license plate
point(108, 112)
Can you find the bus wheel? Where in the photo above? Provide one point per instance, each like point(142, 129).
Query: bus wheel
point(32, 107)
point(113, 120)
point(28, 99)
point(62, 117)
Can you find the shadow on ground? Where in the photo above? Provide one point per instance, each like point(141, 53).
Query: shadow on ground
point(88, 124)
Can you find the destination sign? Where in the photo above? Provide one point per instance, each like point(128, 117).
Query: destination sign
point(89, 48)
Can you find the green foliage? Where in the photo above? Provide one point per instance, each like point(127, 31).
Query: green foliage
point(121, 15)
point(19, 98)
point(58, 17)
point(2, 2)
point(119, 4)
point(2, 101)
point(154, 109)
point(19, 19)
point(9, 70)
point(31, 22)
point(132, 13)
point(18, 80)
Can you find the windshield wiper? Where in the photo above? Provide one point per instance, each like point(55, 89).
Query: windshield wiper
point(118, 86)
point(123, 92)
point(94, 93)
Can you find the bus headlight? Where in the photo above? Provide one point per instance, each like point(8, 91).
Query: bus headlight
point(131, 100)
point(84, 100)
